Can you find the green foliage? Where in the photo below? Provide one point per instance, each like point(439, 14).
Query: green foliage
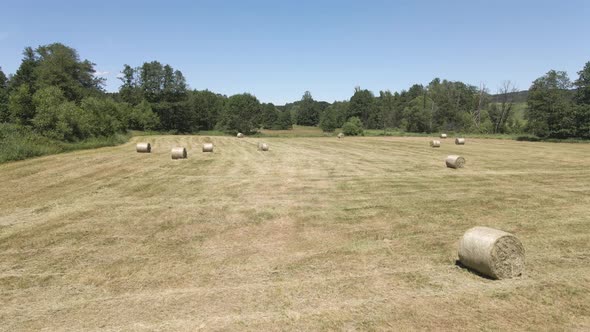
point(4, 114)
point(21, 142)
point(20, 105)
point(206, 108)
point(284, 121)
point(308, 112)
point(329, 119)
point(550, 112)
point(106, 117)
point(583, 85)
point(60, 66)
point(142, 117)
point(240, 114)
point(353, 127)
point(269, 116)
point(363, 105)
point(418, 115)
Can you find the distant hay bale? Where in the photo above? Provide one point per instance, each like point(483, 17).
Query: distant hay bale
point(143, 147)
point(492, 252)
point(240, 135)
point(454, 161)
point(340, 135)
point(435, 144)
point(263, 147)
point(460, 141)
point(208, 147)
point(443, 135)
point(178, 153)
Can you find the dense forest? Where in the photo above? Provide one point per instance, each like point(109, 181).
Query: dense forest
point(55, 94)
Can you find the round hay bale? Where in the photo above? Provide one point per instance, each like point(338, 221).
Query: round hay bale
point(179, 153)
point(340, 135)
point(263, 147)
point(460, 141)
point(208, 147)
point(240, 135)
point(443, 135)
point(454, 161)
point(492, 252)
point(435, 144)
point(143, 147)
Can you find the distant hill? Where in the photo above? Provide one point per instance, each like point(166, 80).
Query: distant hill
point(518, 97)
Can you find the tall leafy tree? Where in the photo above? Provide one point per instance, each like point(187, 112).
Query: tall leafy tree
point(269, 116)
point(206, 107)
point(4, 115)
point(25, 73)
point(583, 85)
point(362, 105)
point(20, 105)
point(550, 112)
point(329, 119)
point(59, 65)
point(240, 114)
point(308, 113)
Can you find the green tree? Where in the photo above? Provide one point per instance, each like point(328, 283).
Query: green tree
point(57, 118)
point(362, 105)
point(142, 117)
point(4, 114)
point(59, 65)
point(269, 116)
point(25, 73)
point(550, 112)
point(353, 127)
point(583, 85)
point(106, 117)
point(284, 121)
point(308, 113)
point(240, 113)
point(329, 119)
point(20, 105)
point(206, 108)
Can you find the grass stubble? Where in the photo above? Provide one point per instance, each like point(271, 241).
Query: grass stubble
point(315, 234)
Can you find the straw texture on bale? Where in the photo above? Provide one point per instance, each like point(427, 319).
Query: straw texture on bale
point(143, 147)
point(435, 144)
point(179, 153)
point(208, 147)
point(454, 161)
point(263, 147)
point(240, 135)
point(459, 141)
point(443, 135)
point(492, 252)
point(340, 135)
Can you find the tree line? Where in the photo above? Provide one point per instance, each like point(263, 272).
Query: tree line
point(58, 95)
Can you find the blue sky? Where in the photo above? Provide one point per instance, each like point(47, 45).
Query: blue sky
point(276, 50)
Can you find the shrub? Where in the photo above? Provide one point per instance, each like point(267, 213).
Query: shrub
point(353, 127)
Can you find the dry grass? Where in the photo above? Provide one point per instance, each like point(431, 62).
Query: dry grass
point(316, 234)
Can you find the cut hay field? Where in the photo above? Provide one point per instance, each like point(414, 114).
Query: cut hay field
point(315, 234)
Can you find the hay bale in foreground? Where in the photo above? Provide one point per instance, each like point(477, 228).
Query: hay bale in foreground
point(179, 153)
point(208, 147)
point(492, 252)
point(340, 135)
point(263, 147)
point(454, 161)
point(143, 147)
point(240, 135)
point(435, 144)
point(443, 135)
point(460, 141)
